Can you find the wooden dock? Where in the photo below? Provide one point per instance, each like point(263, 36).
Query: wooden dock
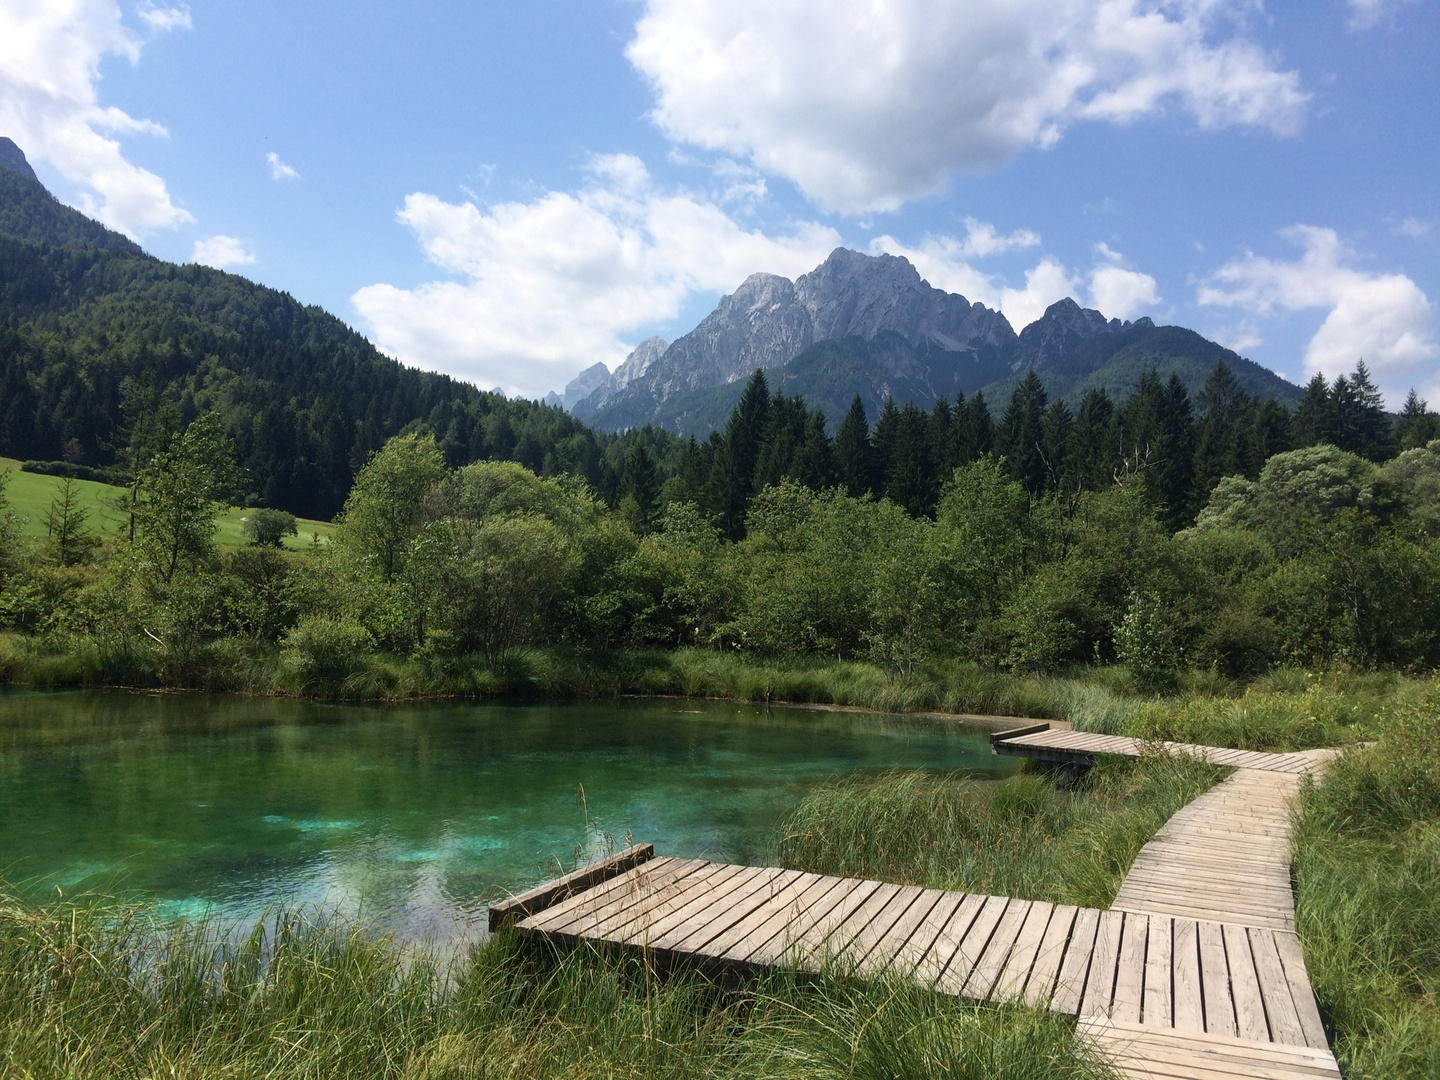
point(1195, 971)
point(1043, 743)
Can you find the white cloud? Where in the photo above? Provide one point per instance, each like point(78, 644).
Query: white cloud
point(50, 53)
point(160, 18)
point(866, 105)
point(1118, 292)
point(1368, 14)
point(943, 261)
point(278, 169)
point(221, 252)
point(1414, 227)
point(1384, 319)
point(551, 286)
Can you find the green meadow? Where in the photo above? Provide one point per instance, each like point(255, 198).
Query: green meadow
point(30, 494)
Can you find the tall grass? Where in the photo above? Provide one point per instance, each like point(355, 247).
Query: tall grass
point(1023, 837)
point(1367, 867)
point(97, 991)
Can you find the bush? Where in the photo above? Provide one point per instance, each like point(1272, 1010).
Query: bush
point(268, 528)
point(1257, 721)
point(324, 653)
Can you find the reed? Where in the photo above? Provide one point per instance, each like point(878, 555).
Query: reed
point(1022, 837)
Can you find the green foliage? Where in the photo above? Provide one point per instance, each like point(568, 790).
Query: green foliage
point(322, 654)
point(66, 525)
point(1145, 642)
point(268, 528)
point(1258, 720)
point(1021, 837)
point(1367, 868)
point(177, 497)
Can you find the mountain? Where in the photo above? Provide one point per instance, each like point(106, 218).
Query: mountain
point(305, 398)
point(871, 325)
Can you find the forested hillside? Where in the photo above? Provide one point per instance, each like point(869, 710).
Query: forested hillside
point(85, 314)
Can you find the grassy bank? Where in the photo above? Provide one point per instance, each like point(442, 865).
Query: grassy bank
point(321, 1002)
point(1367, 869)
point(1023, 837)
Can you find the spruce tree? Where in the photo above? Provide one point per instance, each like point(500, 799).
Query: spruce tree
point(1269, 435)
point(1416, 425)
point(883, 439)
point(814, 463)
point(1091, 455)
point(974, 431)
point(910, 478)
point(734, 473)
point(942, 438)
point(1222, 436)
point(1018, 439)
point(854, 453)
point(1055, 431)
point(642, 482)
point(1314, 420)
point(1361, 425)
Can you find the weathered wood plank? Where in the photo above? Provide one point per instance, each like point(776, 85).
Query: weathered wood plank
point(885, 956)
point(789, 900)
point(1158, 972)
point(1070, 986)
point(930, 949)
point(1011, 983)
point(548, 894)
point(1300, 991)
point(1140, 1051)
point(981, 979)
point(1275, 989)
point(960, 943)
point(1100, 987)
point(1244, 986)
point(1050, 955)
point(1215, 981)
point(616, 893)
point(1130, 974)
point(1187, 1005)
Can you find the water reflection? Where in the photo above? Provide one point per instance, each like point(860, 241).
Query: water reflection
point(407, 815)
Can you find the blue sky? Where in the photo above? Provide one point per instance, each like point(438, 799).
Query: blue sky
point(512, 192)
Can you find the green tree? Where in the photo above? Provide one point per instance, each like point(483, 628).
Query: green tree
point(10, 524)
point(854, 454)
point(180, 489)
point(739, 452)
point(65, 525)
point(1416, 425)
point(387, 506)
point(264, 527)
point(642, 484)
point(1019, 438)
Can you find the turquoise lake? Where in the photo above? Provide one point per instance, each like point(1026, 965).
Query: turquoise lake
point(408, 816)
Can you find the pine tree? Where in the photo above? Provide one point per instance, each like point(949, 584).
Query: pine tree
point(1158, 443)
point(910, 475)
point(65, 525)
point(642, 482)
point(1020, 434)
point(1055, 444)
point(854, 452)
point(1314, 420)
point(974, 431)
point(942, 438)
point(1091, 455)
point(1269, 435)
point(1222, 436)
point(734, 472)
point(1361, 425)
point(814, 464)
point(1416, 425)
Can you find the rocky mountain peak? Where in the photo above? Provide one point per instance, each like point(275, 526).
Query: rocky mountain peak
point(13, 158)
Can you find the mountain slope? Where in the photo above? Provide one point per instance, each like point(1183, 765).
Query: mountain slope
point(304, 396)
point(871, 325)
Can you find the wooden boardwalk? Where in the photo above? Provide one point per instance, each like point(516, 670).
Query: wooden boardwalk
point(1043, 743)
point(1224, 857)
point(1194, 972)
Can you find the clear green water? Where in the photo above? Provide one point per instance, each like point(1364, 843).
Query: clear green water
point(409, 816)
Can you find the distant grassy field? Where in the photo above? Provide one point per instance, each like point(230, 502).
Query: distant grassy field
point(30, 495)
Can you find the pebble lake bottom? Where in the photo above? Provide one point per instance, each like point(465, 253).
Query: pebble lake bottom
point(406, 816)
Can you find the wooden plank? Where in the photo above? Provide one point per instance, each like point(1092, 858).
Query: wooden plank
point(548, 894)
point(792, 898)
point(1015, 733)
point(1141, 1051)
point(1245, 987)
point(1158, 972)
point(1130, 974)
point(828, 952)
point(1300, 990)
point(1010, 986)
point(992, 959)
point(1187, 1006)
point(723, 912)
point(1049, 956)
point(776, 936)
point(637, 927)
point(1215, 981)
point(1074, 969)
point(1100, 986)
point(614, 894)
point(696, 908)
point(895, 914)
point(1275, 989)
point(888, 949)
point(932, 946)
point(804, 934)
point(959, 943)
